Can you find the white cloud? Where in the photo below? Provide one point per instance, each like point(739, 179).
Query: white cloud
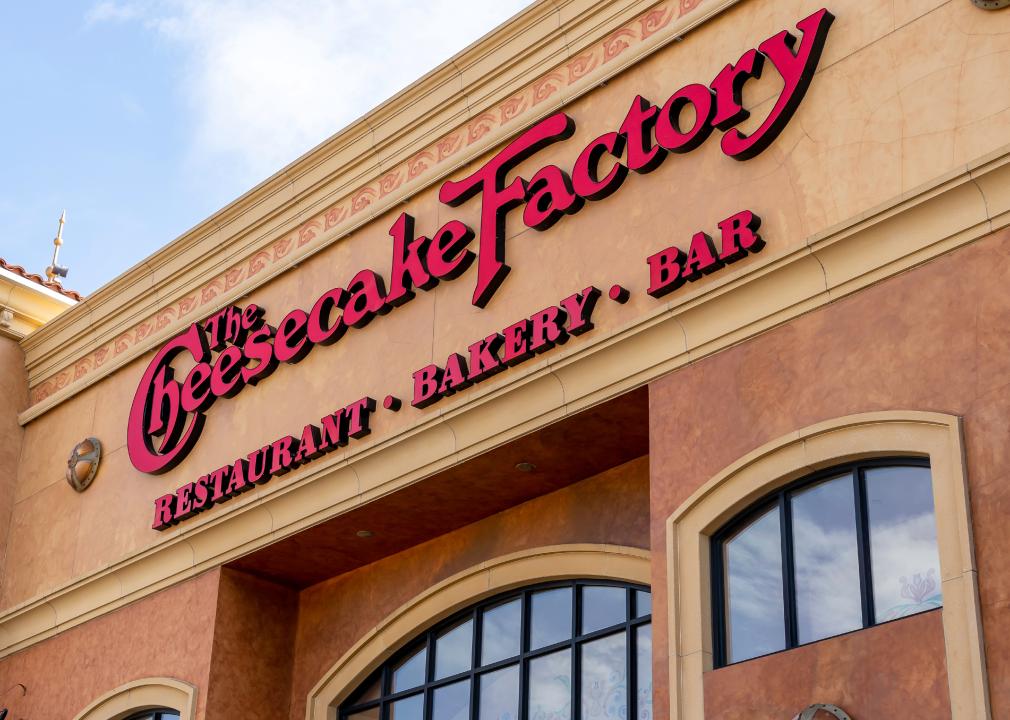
point(266, 80)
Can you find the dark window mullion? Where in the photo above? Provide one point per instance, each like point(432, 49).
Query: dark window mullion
point(576, 702)
point(788, 577)
point(631, 655)
point(719, 636)
point(863, 543)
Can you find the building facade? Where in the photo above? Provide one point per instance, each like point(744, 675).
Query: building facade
point(643, 360)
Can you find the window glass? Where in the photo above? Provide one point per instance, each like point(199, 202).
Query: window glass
point(410, 673)
point(755, 622)
point(604, 678)
point(602, 607)
point(550, 694)
point(552, 617)
point(904, 558)
point(499, 694)
point(826, 560)
point(532, 665)
point(411, 708)
point(643, 663)
point(643, 603)
point(839, 551)
point(501, 632)
point(453, 650)
point(451, 702)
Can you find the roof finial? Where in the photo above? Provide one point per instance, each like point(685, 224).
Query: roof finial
point(53, 270)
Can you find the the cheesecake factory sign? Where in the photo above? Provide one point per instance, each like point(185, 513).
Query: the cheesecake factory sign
point(238, 347)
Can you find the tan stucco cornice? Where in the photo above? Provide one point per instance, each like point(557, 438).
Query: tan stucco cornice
point(25, 306)
point(952, 211)
point(483, 95)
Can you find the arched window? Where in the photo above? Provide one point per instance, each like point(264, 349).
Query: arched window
point(162, 714)
point(579, 649)
point(845, 549)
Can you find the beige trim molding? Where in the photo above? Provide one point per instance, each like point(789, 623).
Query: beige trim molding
point(140, 695)
point(781, 461)
point(25, 306)
point(949, 213)
point(483, 95)
point(489, 578)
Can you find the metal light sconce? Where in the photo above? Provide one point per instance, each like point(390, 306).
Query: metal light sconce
point(991, 4)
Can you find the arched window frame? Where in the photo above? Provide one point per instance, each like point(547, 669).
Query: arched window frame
point(489, 577)
point(779, 498)
point(906, 433)
point(142, 696)
point(577, 639)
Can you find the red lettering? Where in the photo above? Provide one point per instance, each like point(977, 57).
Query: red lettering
point(426, 382)
point(163, 512)
point(484, 360)
point(320, 329)
point(358, 413)
point(196, 391)
point(367, 299)
point(548, 197)
point(643, 156)
point(669, 133)
point(183, 502)
point(447, 257)
point(579, 308)
point(548, 329)
point(282, 455)
point(585, 170)
point(739, 236)
point(409, 270)
point(226, 377)
point(454, 375)
point(516, 346)
point(236, 479)
point(256, 468)
point(700, 257)
point(797, 70)
point(497, 198)
point(259, 349)
point(292, 342)
point(665, 268)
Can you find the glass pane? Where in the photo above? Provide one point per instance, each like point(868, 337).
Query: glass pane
point(903, 555)
point(826, 560)
point(501, 632)
point(643, 603)
point(552, 617)
point(411, 708)
point(454, 650)
point(369, 714)
point(370, 690)
point(754, 611)
point(551, 686)
point(410, 672)
point(452, 702)
point(604, 686)
point(643, 663)
point(499, 694)
point(602, 607)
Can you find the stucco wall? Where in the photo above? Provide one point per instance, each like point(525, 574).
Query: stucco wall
point(931, 339)
point(168, 634)
point(609, 508)
point(13, 399)
point(906, 92)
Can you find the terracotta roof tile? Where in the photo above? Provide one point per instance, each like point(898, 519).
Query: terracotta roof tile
point(54, 285)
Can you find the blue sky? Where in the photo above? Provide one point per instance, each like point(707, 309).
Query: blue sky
point(143, 117)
